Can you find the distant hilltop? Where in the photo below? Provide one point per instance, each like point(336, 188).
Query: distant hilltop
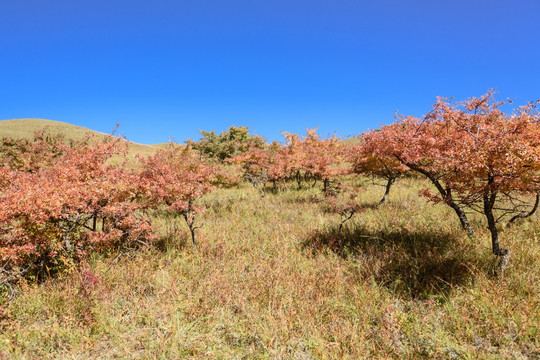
point(25, 128)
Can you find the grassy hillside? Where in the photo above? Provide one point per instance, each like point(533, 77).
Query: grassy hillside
point(351, 141)
point(25, 128)
point(273, 279)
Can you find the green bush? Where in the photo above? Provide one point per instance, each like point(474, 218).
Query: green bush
point(227, 144)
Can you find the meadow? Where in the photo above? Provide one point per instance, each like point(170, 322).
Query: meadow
point(272, 279)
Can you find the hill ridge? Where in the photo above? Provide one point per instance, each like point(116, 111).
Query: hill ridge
point(25, 128)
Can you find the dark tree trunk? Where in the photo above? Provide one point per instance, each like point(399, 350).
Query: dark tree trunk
point(526, 215)
point(465, 224)
point(447, 196)
point(344, 218)
point(389, 184)
point(299, 180)
point(190, 221)
point(192, 231)
point(259, 185)
point(489, 202)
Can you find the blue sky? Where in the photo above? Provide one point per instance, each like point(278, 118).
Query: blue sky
point(169, 68)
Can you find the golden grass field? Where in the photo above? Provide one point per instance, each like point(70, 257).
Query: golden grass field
point(272, 279)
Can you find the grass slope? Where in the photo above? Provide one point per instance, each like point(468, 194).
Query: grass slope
point(351, 141)
point(273, 279)
point(25, 128)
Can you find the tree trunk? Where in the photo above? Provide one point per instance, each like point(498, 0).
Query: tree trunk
point(190, 223)
point(504, 254)
point(447, 196)
point(389, 184)
point(344, 218)
point(465, 224)
point(192, 231)
point(526, 215)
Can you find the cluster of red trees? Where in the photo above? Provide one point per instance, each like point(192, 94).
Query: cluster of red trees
point(59, 200)
point(477, 157)
point(301, 159)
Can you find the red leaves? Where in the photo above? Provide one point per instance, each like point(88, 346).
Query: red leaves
point(59, 200)
point(176, 176)
point(300, 157)
point(373, 156)
point(474, 153)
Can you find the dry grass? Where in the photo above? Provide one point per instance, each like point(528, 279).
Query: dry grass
point(274, 280)
point(351, 141)
point(25, 128)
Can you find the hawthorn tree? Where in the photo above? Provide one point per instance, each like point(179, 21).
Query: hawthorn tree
point(344, 203)
point(417, 143)
point(301, 159)
point(321, 157)
point(31, 154)
point(311, 157)
point(370, 158)
point(177, 177)
point(53, 198)
point(477, 156)
point(260, 165)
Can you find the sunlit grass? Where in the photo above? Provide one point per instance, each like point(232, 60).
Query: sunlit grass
point(25, 128)
point(272, 278)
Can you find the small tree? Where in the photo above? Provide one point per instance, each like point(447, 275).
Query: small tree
point(477, 156)
point(345, 204)
point(300, 159)
point(229, 143)
point(310, 156)
point(53, 197)
point(31, 154)
point(416, 145)
point(370, 158)
point(177, 177)
point(256, 164)
point(322, 157)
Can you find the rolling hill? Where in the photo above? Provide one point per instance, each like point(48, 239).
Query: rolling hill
point(25, 128)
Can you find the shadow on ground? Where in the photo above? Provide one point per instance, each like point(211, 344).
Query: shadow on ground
point(418, 265)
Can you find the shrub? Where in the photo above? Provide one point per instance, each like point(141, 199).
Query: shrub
point(58, 201)
point(177, 177)
point(229, 143)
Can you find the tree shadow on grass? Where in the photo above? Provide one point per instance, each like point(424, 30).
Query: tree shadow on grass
point(413, 265)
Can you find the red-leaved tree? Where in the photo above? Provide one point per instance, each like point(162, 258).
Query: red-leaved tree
point(60, 200)
point(477, 157)
point(301, 159)
point(177, 177)
point(371, 158)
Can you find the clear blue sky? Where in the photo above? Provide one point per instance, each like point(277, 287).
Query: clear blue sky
point(168, 68)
